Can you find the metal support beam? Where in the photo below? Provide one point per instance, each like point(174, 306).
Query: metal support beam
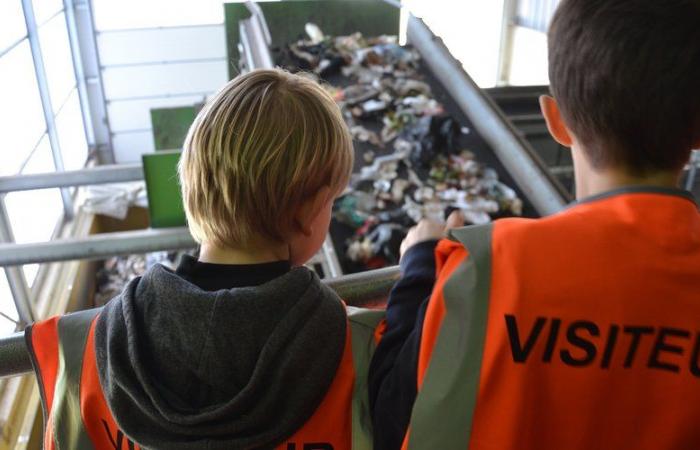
point(15, 275)
point(255, 41)
point(517, 156)
point(96, 246)
point(33, 36)
point(14, 357)
point(84, 177)
point(693, 170)
point(90, 60)
point(505, 52)
point(79, 72)
point(356, 290)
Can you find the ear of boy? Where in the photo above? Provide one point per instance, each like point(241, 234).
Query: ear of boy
point(305, 216)
point(555, 124)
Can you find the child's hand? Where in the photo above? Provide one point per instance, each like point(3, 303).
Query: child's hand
point(428, 230)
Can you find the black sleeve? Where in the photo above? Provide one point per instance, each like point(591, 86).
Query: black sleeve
point(393, 371)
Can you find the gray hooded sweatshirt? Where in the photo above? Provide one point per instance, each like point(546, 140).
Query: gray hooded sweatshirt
point(243, 368)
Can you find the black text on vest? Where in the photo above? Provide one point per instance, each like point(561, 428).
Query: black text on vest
point(583, 343)
point(310, 446)
point(117, 441)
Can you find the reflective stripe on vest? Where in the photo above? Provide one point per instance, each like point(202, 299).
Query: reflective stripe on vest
point(444, 408)
point(67, 427)
point(363, 324)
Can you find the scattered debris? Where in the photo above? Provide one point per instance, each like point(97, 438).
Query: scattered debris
point(428, 174)
point(119, 270)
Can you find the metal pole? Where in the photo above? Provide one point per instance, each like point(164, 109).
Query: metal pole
point(356, 290)
point(33, 36)
point(92, 74)
point(84, 177)
point(692, 172)
point(334, 269)
point(97, 246)
point(15, 275)
point(14, 357)
point(505, 52)
point(79, 72)
point(517, 156)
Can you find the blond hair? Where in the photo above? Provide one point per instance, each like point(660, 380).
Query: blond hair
point(265, 143)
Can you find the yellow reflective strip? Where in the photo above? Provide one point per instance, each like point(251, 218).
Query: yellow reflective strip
point(68, 428)
point(363, 323)
point(444, 408)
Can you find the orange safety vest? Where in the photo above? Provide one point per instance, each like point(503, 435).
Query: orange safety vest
point(76, 415)
point(576, 331)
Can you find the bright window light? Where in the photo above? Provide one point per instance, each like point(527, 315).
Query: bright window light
point(35, 214)
point(71, 134)
point(21, 116)
point(45, 9)
point(529, 65)
point(7, 308)
point(55, 48)
point(126, 14)
point(12, 26)
point(471, 30)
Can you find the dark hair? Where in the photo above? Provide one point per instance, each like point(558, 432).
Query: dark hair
point(626, 76)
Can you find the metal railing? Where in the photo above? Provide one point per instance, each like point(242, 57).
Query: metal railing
point(361, 289)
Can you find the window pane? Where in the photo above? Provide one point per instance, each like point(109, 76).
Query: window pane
point(71, 134)
point(7, 307)
point(111, 15)
point(44, 9)
point(35, 223)
point(21, 117)
point(55, 48)
point(12, 26)
point(471, 30)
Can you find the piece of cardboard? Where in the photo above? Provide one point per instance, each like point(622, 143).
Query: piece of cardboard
point(170, 126)
point(165, 206)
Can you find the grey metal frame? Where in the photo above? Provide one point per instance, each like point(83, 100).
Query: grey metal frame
point(85, 177)
point(694, 165)
point(49, 117)
point(15, 275)
point(82, 27)
point(356, 290)
point(505, 56)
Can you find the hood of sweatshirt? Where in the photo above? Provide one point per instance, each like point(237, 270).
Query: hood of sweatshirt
point(183, 368)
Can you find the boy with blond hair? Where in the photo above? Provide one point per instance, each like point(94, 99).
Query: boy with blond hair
point(580, 330)
point(243, 348)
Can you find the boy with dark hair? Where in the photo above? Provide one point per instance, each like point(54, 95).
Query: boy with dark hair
point(580, 330)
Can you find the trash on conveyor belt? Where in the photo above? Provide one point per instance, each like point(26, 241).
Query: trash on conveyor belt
point(119, 270)
point(415, 167)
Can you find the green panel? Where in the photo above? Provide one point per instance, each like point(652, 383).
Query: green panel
point(287, 19)
point(163, 189)
point(170, 126)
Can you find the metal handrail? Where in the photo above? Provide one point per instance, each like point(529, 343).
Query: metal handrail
point(97, 246)
point(360, 289)
point(85, 177)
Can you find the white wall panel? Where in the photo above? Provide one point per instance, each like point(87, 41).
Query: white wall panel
point(121, 14)
point(164, 79)
point(136, 114)
point(164, 44)
point(128, 147)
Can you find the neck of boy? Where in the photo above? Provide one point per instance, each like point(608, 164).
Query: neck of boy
point(590, 181)
point(256, 254)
